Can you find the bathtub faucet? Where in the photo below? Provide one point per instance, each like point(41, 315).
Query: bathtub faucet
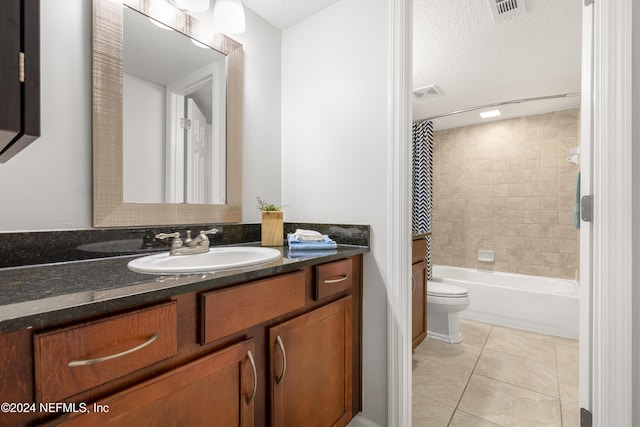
point(197, 245)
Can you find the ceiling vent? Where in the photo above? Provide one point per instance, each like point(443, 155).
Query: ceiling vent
point(427, 92)
point(505, 9)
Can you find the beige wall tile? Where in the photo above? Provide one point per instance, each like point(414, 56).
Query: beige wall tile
point(506, 186)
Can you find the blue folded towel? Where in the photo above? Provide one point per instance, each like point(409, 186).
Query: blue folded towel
point(311, 254)
point(296, 244)
point(576, 205)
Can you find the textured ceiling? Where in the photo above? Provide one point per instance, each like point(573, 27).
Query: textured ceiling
point(475, 61)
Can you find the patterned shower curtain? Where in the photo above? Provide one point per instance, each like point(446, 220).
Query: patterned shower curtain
point(422, 182)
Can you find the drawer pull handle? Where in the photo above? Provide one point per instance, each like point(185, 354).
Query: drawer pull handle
point(284, 360)
point(338, 280)
point(255, 377)
point(85, 362)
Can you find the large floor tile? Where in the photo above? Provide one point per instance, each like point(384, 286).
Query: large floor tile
point(474, 332)
point(430, 413)
point(441, 383)
point(570, 414)
point(508, 405)
point(462, 419)
point(528, 345)
point(568, 372)
point(525, 373)
point(460, 355)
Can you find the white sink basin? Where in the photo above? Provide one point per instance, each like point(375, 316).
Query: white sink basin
point(215, 259)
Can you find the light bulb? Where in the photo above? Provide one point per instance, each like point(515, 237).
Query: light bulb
point(228, 16)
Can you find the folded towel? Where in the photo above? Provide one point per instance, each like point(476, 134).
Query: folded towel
point(576, 205)
point(296, 244)
point(311, 254)
point(308, 235)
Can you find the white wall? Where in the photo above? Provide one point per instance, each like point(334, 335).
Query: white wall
point(335, 127)
point(143, 126)
point(636, 215)
point(48, 186)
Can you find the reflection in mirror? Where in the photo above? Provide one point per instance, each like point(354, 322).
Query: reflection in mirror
point(173, 94)
point(167, 121)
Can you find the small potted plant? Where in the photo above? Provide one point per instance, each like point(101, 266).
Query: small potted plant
point(272, 223)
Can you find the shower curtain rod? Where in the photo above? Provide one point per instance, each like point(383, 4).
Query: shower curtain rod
point(497, 104)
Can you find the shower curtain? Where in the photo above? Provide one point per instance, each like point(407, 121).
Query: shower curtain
point(422, 182)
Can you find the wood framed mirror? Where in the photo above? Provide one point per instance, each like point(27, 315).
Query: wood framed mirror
point(176, 204)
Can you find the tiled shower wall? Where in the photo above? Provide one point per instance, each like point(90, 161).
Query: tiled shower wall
point(506, 186)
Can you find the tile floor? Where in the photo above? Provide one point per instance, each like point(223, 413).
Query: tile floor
point(497, 376)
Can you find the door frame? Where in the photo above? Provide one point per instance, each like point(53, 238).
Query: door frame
point(612, 251)
point(610, 392)
point(585, 250)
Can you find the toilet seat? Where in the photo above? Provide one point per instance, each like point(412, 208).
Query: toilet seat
point(446, 290)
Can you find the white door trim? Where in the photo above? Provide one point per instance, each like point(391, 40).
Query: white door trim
point(586, 123)
point(399, 215)
point(612, 225)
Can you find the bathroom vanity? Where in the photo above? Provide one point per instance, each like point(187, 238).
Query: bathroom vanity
point(90, 342)
point(418, 290)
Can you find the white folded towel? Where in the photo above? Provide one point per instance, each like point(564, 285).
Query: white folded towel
point(308, 235)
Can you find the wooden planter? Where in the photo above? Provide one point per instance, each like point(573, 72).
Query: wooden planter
point(272, 228)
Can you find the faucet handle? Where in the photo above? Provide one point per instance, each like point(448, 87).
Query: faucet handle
point(163, 236)
point(212, 231)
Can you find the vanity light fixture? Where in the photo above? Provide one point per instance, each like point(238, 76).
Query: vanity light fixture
point(228, 16)
point(191, 5)
point(489, 114)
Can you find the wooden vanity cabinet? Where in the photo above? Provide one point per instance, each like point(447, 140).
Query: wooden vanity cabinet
point(219, 359)
point(71, 360)
point(418, 292)
point(215, 390)
point(311, 368)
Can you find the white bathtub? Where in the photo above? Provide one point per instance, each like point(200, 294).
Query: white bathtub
point(533, 303)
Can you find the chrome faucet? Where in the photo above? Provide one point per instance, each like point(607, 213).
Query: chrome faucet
point(197, 245)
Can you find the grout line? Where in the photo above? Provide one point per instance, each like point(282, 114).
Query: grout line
point(558, 383)
point(520, 387)
point(471, 375)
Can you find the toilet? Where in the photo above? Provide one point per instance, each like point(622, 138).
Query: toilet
point(444, 302)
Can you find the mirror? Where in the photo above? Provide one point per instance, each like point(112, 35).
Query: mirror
point(166, 117)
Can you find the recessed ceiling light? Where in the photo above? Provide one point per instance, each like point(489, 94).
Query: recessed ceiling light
point(488, 114)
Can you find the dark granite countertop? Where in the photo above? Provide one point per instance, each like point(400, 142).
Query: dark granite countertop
point(40, 295)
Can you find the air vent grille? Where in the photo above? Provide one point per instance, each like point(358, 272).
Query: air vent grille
point(427, 92)
point(505, 9)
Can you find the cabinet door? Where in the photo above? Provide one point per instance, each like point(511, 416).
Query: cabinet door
point(419, 303)
point(9, 71)
point(216, 390)
point(19, 75)
point(311, 368)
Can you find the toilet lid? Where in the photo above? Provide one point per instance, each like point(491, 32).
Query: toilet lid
point(438, 289)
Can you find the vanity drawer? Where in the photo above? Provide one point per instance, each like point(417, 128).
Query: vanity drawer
point(77, 358)
point(235, 309)
point(333, 278)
